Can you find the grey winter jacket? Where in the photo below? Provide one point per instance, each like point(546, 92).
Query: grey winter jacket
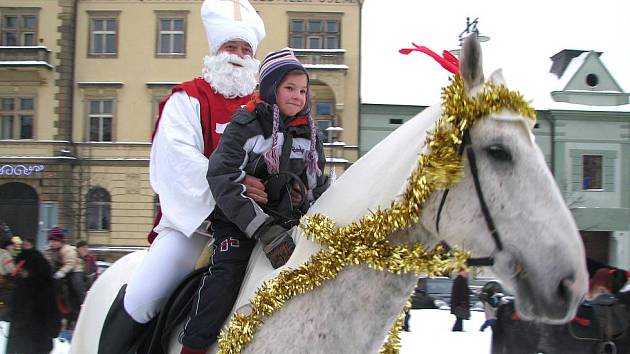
point(240, 153)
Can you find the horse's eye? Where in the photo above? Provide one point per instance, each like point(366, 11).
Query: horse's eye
point(499, 153)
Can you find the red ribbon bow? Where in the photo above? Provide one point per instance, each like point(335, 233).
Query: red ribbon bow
point(448, 61)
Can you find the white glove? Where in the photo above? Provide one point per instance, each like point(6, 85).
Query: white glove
point(58, 274)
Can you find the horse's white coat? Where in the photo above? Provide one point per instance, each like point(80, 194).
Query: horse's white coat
point(353, 312)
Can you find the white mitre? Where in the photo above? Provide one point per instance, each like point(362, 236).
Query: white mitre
point(227, 20)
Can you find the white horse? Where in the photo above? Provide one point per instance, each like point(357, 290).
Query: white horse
point(538, 252)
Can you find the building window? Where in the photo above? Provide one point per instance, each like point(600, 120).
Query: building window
point(592, 80)
point(171, 36)
point(98, 214)
point(103, 35)
point(315, 31)
point(18, 27)
point(591, 172)
point(16, 117)
point(100, 117)
point(323, 109)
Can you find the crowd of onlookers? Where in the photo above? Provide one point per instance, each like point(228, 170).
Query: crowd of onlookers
point(41, 293)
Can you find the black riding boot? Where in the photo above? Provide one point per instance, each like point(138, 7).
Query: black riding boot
point(121, 333)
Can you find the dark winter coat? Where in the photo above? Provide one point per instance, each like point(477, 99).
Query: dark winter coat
point(90, 269)
point(35, 319)
point(460, 298)
point(241, 152)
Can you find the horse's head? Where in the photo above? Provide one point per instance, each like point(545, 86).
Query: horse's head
point(537, 250)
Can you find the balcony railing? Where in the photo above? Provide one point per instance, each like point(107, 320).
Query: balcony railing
point(32, 56)
point(322, 57)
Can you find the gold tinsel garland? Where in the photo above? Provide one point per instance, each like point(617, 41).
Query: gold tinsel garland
point(365, 241)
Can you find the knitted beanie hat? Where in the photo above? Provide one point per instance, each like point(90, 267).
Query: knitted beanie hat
point(56, 234)
point(273, 69)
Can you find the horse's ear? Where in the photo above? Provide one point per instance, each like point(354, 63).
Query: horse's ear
point(470, 62)
point(497, 77)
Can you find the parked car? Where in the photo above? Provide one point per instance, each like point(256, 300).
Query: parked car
point(432, 293)
point(435, 293)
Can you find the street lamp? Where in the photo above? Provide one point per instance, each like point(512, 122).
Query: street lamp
point(333, 136)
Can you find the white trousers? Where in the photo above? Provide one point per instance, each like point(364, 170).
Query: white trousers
point(170, 259)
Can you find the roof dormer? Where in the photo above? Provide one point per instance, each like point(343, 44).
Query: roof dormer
point(584, 79)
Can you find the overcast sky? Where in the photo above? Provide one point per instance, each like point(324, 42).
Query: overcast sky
point(523, 35)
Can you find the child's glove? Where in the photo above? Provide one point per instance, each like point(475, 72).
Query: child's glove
point(277, 244)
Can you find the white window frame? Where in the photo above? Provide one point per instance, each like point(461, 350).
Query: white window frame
point(101, 116)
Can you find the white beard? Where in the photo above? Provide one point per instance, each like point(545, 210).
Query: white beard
point(228, 79)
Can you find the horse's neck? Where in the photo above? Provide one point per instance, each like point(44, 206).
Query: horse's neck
point(351, 313)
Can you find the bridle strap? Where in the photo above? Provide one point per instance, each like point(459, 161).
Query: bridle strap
point(484, 207)
point(481, 261)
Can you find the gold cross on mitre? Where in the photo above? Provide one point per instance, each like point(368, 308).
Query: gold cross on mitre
point(237, 9)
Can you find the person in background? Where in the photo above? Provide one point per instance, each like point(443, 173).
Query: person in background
point(406, 327)
point(7, 248)
point(460, 300)
point(600, 283)
point(68, 271)
point(7, 265)
point(490, 295)
point(35, 318)
point(90, 269)
point(189, 126)
point(28, 243)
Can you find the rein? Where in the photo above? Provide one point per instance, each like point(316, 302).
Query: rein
point(470, 153)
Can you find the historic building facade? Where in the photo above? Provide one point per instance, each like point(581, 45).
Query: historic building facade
point(80, 82)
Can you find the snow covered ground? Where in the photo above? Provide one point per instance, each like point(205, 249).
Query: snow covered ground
point(430, 334)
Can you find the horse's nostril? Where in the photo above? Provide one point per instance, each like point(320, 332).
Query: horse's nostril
point(564, 288)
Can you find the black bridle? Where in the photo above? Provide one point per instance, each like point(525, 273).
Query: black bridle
point(470, 153)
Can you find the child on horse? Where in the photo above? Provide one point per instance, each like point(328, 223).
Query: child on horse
point(275, 139)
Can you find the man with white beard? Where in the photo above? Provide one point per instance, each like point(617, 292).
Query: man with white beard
point(188, 129)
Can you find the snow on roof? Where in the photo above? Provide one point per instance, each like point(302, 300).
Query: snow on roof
point(17, 47)
point(25, 63)
point(564, 106)
point(569, 72)
point(336, 160)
